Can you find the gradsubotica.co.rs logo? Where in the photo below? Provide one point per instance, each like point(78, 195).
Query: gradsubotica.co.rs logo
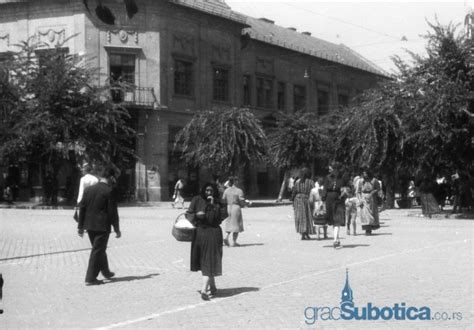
point(399, 311)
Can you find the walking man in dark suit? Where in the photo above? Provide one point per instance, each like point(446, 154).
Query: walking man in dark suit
point(97, 214)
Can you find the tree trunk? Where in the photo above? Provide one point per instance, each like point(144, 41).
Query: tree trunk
point(389, 191)
point(283, 186)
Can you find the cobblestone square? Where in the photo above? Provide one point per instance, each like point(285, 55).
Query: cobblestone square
point(268, 282)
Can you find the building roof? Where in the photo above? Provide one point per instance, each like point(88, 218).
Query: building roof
point(267, 31)
point(213, 7)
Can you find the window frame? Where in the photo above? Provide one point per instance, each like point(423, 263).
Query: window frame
point(221, 93)
point(188, 76)
point(299, 100)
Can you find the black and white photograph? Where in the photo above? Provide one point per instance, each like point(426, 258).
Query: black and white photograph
point(236, 164)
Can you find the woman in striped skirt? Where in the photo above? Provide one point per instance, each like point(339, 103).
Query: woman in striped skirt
point(300, 198)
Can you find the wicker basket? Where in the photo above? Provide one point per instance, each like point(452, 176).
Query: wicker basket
point(182, 234)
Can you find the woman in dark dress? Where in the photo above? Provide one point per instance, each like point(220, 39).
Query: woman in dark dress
point(334, 196)
point(206, 248)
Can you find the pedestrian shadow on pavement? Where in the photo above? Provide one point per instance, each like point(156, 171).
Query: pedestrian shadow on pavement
point(251, 244)
point(229, 292)
point(348, 246)
point(131, 278)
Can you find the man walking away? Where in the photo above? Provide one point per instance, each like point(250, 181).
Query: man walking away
point(97, 214)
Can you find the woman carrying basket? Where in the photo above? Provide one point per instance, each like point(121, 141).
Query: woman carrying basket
point(206, 248)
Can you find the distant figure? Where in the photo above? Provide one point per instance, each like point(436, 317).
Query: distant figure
point(1, 291)
point(300, 199)
point(412, 193)
point(48, 188)
point(335, 196)
point(351, 211)
point(429, 204)
point(97, 214)
point(178, 193)
point(318, 208)
point(8, 195)
point(367, 191)
point(234, 197)
point(87, 180)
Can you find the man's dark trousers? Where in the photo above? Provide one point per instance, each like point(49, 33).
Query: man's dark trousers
point(98, 259)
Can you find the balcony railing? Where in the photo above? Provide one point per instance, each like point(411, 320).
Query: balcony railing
point(137, 96)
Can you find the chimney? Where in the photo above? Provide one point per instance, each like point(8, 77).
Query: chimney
point(266, 20)
point(291, 28)
point(306, 33)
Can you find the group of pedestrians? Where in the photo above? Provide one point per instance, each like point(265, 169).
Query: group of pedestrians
point(98, 214)
point(432, 194)
point(335, 200)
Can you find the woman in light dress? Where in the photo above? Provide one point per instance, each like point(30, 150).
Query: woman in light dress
point(367, 191)
point(234, 197)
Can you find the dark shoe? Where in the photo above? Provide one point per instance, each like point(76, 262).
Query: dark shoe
point(213, 291)
point(109, 275)
point(94, 282)
point(205, 297)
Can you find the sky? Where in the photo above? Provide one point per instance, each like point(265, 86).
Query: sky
point(376, 30)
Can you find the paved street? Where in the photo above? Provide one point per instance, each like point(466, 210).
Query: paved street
point(268, 282)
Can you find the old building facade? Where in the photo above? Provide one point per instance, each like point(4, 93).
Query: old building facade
point(185, 56)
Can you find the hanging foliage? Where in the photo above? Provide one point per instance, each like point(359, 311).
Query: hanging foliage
point(222, 140)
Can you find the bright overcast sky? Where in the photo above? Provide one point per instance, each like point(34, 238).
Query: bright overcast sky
point(373, 29)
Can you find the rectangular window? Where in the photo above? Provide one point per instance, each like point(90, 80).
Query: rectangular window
point(299, 97)
point(260, 93)
point(183, 77)
point(220, 82)
point(268, 88)
point(122, 70)
point(264, 93)
point(49, 57)
point(342, 100)
point(281, 100)
point(246, 90)
point(323, 102)
point(5, 59)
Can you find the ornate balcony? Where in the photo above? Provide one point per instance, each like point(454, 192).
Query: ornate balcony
point(136, 96)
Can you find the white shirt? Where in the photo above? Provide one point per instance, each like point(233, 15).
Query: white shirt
point(86, 181)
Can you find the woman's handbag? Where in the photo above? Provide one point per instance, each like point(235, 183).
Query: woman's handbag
point(183, 230)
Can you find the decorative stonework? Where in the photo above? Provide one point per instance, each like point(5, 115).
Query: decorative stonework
point(122, 36)
point(221, 52)
point(4, 40)
point(51, 37)
point(264, 65)
point(183, 44)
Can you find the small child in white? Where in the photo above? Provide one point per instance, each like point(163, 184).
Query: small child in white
point(351, 211)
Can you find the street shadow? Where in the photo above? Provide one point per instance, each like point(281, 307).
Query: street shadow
point(348, 246)
point(229, 292)
point(131, 278)
point(351, 246)
point(250, 244)
point(378, 234)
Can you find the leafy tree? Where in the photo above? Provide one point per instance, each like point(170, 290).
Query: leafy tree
point(297, 141)
point(55, 112)
point(419, 121)
point(222, 141)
